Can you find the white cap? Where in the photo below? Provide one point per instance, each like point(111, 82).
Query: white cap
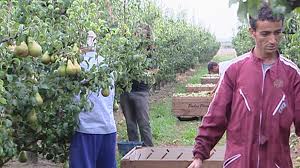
point(91, 39)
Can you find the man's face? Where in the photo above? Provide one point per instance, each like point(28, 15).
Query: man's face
point(215, 70)
point(267, 36)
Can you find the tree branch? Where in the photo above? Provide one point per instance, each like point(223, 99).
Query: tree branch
point(110, 11)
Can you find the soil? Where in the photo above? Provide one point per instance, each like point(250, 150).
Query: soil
point(42, 163)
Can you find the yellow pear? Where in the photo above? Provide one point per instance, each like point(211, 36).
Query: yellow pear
point(22, 157)
point(34, 48)
point(38, 98)
point(71, 70)
point(77, 66)
point(22, 50)
point(46, 59)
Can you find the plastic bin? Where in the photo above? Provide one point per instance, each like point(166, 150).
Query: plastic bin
point(125, 146)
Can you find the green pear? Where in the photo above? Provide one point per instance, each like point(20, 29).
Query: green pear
point(105, 92)
point(76, 49)
point(39, 98)
point(22, 50)
point(34, 48)
point(71, 70)
point(62, 70)
point(32, 117)
point(11, 48)
point(77, 66)
point(66, 164)
point(46, 59)
point(23, 157)
point(53, 58)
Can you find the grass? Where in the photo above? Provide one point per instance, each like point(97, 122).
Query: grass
point(180, 87)
point(196, 77)
point(167, 130)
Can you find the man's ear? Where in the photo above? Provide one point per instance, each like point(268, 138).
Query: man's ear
point(252, 32)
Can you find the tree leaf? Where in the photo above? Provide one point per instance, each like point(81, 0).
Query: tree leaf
point(231, 2)
point(2, 100)
point(242, 11)
point(297, 10)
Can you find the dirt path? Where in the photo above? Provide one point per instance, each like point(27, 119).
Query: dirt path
point(226, 51)
point(42, 163)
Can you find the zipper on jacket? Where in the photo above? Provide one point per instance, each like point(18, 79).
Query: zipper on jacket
point(259, 132)
point(231, 159)
point(277, 166)
point(279, 104)
point(246, 102)
point(260, 116)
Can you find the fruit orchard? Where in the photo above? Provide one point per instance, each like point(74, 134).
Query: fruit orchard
point(42, 45)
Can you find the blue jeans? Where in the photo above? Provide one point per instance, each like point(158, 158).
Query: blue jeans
point(93, 151)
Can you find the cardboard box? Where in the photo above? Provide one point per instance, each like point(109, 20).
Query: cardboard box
point(168, 157)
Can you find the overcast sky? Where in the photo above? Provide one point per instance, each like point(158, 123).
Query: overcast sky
point(214, 15)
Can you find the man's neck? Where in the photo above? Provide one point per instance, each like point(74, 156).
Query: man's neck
point(267, 58)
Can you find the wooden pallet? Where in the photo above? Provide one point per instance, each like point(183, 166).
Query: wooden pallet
point(190, 106)
point(199, 88)
point(166, 157)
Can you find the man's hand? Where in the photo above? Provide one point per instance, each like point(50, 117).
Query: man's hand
point(197, 163)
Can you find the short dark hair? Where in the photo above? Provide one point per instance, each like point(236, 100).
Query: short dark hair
point(211, 65)
point(265, 13)
point(144, 30)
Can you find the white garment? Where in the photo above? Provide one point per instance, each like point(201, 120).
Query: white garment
point(100, 120)
point(223, 67)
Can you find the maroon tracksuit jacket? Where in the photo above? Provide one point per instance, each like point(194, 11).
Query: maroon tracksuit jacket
point(256, 110)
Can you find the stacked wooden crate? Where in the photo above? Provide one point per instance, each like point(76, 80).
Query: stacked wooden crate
point(191, 88)
point(210, 78)
point(191, 104)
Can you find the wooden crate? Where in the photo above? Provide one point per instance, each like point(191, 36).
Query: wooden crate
point(189, 106)
point(169, 157)
point(199, 88)
point(208, 80)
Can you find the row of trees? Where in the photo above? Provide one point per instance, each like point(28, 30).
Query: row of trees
point(40, 53)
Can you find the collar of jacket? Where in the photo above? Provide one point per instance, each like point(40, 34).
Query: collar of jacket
point(258, 61)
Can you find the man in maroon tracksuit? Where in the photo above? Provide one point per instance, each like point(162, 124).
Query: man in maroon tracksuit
point(256, 103)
